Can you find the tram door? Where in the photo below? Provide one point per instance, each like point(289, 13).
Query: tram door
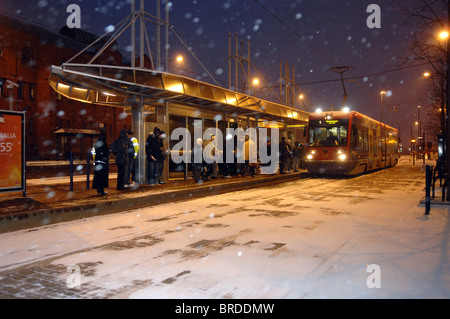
point(371, 146)
point(383, 148)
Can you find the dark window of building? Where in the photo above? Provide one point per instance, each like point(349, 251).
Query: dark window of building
point(20, 91)
point(32, 92)
point(30, 126)
point(27, 55)
point(2, 49)
point(2, 87)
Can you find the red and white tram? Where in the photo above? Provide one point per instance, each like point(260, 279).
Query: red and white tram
point(349, 143)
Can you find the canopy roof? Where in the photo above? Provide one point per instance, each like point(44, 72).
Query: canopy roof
point(120, 86)
point(74, 131)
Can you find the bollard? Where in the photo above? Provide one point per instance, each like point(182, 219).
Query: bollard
point(428, 177)
point(88, 164)
point(71, 171)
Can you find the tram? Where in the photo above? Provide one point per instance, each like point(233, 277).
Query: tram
point(349, 143)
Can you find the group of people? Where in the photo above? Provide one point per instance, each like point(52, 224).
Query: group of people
point(291, 157)
point(125, 150)
point(244, 161)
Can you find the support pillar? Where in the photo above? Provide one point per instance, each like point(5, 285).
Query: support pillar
point(137, 113)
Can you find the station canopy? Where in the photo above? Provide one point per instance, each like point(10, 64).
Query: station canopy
point(121, 86)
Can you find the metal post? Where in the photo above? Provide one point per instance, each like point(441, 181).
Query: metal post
point(71, 171)
point(142, 36)
point(88, 169)
point(166, 2)
point(137, 114)
point(447, 120)
point(133, 34)
point(427, 189)
point(229, 60)
point(186, 152)
point(236, 75)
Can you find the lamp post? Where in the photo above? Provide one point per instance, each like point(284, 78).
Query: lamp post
point(419, 136)
point(444, 36)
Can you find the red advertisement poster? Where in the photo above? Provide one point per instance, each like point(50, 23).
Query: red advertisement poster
point(11, 151)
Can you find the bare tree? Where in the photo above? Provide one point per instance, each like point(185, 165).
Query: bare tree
point(430, 17)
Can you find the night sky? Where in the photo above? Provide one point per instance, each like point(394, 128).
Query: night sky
point(312, 35)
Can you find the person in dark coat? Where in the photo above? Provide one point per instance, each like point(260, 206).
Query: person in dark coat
point(284, 155)
point(101, 165)
point(120, 148)
point(153, 151)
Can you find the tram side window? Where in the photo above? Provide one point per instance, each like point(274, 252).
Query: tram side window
point(354, 137)
point(363, 141)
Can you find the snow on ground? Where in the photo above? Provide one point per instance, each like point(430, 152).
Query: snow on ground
point(312, 238)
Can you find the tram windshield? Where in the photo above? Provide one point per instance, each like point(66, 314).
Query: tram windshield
point(328, 133)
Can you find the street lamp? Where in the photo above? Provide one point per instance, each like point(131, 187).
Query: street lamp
point(179, 58)
point(443, 35)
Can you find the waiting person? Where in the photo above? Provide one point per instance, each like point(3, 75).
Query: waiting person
point(133, 158)
point(161, 157)
point(210, 150)
point(101, 165)
point(283, 154)
point(290, 155)
point(153, 151)
point(197, 160)
point(297, 154)
point(249, 156)
point(120, 149)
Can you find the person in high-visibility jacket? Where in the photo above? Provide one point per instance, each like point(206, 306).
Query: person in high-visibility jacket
point(134, 158)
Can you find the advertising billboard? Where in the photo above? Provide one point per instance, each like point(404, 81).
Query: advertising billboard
point(12, 151)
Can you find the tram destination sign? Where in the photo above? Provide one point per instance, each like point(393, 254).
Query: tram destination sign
point(12, 151)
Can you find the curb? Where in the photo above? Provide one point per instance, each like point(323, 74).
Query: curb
point(65, 213)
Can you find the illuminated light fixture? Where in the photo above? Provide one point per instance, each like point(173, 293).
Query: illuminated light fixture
point(319, 110)
point(427, 74)
point(108, 94)
point(179, 58)
point(176, 88)
point(346, 109)
point(342, 157)
point(255, 81)
point(80, 89)
point(301, 96)
point(63, 86)
point(443, 35)
point(310, 156)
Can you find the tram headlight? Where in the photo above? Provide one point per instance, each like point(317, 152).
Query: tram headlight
point(341, 155)
point(310, 156)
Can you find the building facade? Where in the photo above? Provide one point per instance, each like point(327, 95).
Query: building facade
point(27, 52)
